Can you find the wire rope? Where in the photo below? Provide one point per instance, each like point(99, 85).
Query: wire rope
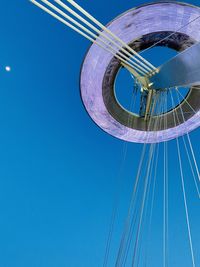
point(131, 232)
point(136, 66)
point(187, 152)
point(171, 34)
point(101, 34)
point(152, 146)
point(184, 192)
point(189, 140)
point(110, 32)
point(107, 48)
point(113, 218)
point(82, 30)
point(128, 223)
point(165, 190)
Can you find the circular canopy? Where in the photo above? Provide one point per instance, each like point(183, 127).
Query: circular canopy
point(140, 28)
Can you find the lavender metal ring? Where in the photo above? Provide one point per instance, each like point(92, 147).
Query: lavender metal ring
point(138, 27)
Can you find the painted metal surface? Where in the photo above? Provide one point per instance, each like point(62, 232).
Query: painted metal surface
point(182, 70)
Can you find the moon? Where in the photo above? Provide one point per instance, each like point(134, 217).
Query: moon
point(8, 68)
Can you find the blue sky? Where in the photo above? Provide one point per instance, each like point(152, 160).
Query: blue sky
point(58, 170)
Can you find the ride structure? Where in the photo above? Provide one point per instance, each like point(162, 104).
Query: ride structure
point(167, 96)
point(142, 28)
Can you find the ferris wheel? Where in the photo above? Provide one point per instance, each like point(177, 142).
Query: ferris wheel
point(164, 100)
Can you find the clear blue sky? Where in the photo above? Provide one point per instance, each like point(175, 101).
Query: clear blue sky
point(58, 169)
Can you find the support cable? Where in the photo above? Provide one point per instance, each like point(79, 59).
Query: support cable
point(129, 225)
point(116, 205)
point(111, 33)
point(101, 34)
point(82, 30)
point(108, 48)
point(190, 145)
point(184, 192)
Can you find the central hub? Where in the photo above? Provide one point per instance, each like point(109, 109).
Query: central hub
point(140, 121)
